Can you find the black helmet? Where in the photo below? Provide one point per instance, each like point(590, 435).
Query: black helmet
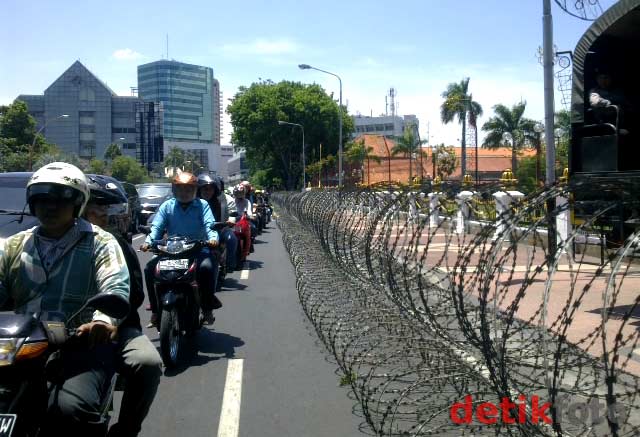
point(104, 192)
point(205, 179)
point(220, 181)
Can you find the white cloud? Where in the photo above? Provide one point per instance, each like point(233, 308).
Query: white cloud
point(263, 46)
point(126, 55)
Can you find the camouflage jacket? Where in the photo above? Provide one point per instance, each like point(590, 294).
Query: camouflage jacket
point(93, 264)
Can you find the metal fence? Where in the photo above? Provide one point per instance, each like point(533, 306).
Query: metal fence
point(421, 317)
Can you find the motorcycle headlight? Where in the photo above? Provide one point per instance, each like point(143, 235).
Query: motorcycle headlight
point(8, 349)
point(175, 247)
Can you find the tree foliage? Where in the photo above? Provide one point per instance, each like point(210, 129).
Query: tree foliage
point(255, 112)
point(446, 160)
point(17, 135)
point(112, 151)
point(408, 145)
point(127, 169)
point(458, 103)
point(511, 122)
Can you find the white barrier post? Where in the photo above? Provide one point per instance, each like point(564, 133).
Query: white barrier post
point(463, 211)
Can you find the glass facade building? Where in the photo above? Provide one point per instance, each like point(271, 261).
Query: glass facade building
point(187, 93)
point(95, 116)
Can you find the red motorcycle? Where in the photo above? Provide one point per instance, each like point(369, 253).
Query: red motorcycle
point(242, 230)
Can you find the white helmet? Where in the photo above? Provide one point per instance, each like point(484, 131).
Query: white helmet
point(62, 180)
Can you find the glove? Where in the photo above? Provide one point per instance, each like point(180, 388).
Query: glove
point(212, 243)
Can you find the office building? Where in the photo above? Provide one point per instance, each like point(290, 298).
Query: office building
point(190, 97)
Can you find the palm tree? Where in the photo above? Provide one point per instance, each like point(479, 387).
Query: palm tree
point(458, 103)
point(407, 145)
point(358, 152)
point(509, 122)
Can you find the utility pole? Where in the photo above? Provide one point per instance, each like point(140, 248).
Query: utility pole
point(549, 115)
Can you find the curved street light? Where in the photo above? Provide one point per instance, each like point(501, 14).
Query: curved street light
point(304, 176)
point(33, 143)
point(309, 67)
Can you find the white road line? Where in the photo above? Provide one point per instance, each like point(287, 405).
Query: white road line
point(138, 237)
point(229, 422)
point(244, 274)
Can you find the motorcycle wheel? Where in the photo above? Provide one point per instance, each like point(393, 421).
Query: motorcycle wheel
point(169, 337)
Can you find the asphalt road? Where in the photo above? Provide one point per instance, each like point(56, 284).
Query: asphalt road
point(261, 359)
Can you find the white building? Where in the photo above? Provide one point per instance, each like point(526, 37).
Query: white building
point(387, 125)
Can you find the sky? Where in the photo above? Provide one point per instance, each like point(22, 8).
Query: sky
point(415, 46)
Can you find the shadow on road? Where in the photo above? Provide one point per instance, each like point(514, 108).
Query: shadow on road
point(231, 284)
point(219, 344)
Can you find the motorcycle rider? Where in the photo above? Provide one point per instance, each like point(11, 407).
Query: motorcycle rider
point(138, 361)
point(56, 267)
point(187, 216)
point(210, 189)
point(243, 207)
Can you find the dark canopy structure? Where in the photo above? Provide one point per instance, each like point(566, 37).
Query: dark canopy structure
point(612, 42)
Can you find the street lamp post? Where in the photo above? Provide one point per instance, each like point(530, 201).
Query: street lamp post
point(33, 143)
point(309, 67)
point(539, 129)
point(304, 176)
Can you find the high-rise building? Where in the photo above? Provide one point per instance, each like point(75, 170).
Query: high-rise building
point(190, 98)
point(95, 116)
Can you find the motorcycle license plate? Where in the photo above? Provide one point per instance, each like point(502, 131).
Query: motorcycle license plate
point(173, 264)
point(7, 422)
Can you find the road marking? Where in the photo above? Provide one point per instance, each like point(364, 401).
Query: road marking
point(138, 236)
point(230, 413)
point(244, 274)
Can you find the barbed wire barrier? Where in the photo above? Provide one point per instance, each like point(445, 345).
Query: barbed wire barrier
point(422, 316)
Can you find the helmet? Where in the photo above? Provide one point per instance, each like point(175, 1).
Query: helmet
point(247, 186)
point(104, 192)
point(205, 179)
point(62, 180)
point(239, 191)
point(185, 178)
point(221, 182)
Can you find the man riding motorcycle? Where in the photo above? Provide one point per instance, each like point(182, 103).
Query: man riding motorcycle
point(56, 267)
point(138, 360)
point(187, 216)
point(243, 207)
point(210, 189)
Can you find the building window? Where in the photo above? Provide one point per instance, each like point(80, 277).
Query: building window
point(87, 136)
point(87, 118)
point(87, 95)
point(87, 149)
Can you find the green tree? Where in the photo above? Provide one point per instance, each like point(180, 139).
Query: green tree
point(127, 169)
point(17, 134)
point(112, 151)
point(408, 145)
point(458, 103)
point(513, 123)
point(175, 158)
point(97, 166)
point(446, 160)
point(255, 112)
point(357, 152)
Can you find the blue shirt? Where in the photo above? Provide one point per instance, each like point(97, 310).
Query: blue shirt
point(194, 222)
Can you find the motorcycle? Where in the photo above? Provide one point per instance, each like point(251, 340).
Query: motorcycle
point(177, 294)
point(242, 229)
point(221, 250)
point(32, 348)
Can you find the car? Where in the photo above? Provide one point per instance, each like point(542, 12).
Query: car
point(152, 195)
point(135, 208)
point(14, 212)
